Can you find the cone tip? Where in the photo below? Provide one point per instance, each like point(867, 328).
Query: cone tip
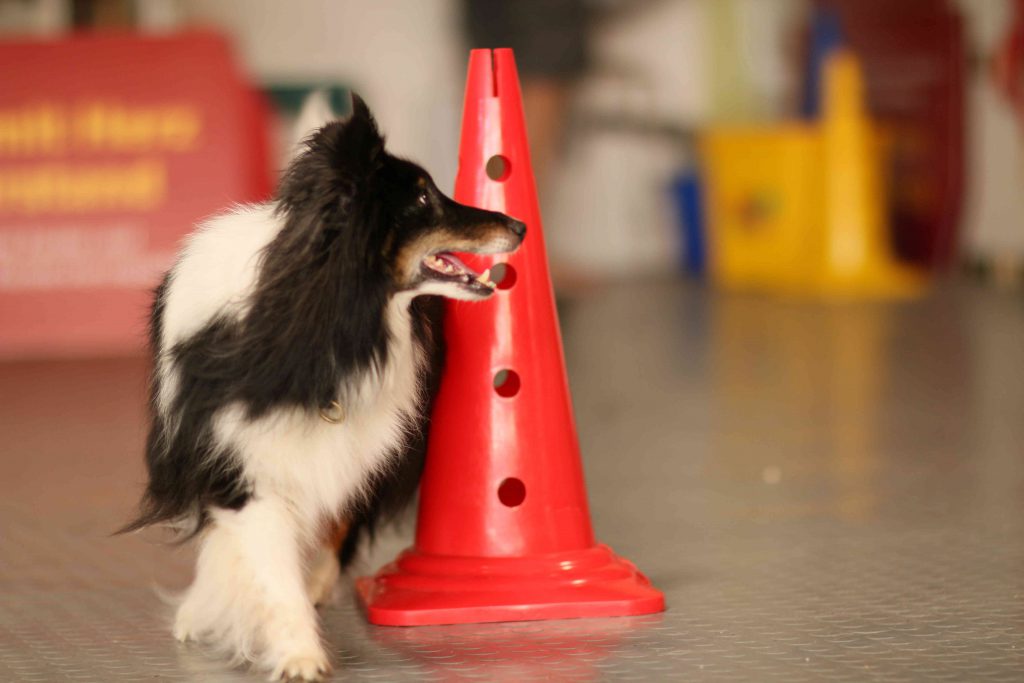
point(506, 76)
point(480, 79)
point(492, 72)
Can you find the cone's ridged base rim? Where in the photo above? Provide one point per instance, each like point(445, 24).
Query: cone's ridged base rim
point(419, 590)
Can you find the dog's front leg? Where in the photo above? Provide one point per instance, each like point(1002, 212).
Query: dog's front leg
point(249, 595)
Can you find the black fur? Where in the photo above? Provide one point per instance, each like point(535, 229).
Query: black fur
point(316, 321)
point(391, 490)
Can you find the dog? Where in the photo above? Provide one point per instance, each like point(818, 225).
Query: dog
point(296, 348)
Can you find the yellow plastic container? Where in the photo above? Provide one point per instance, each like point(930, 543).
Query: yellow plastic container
point(799, 208)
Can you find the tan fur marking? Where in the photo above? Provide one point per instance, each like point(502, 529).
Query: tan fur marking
point(408, 260)
point(337, 531)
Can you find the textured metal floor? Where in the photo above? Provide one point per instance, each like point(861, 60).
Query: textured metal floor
point(825, 493)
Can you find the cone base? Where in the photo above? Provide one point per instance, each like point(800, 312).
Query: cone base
point(419, 590)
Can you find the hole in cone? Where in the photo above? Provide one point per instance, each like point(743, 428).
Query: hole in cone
point(506, 383)
point(498, 167)
point(503, 275)
point(512, 492)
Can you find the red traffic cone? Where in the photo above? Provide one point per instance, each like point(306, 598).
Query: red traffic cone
point(504, 531)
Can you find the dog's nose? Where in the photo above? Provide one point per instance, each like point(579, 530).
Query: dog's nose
point(518, 227)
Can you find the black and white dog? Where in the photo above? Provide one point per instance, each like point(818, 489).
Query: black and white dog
point(294, 356)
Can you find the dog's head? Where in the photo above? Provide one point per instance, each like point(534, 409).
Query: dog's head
point(384, 216)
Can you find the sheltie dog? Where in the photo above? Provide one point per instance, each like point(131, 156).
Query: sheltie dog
point(296, 349)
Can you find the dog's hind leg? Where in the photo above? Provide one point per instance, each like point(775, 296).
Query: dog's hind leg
point(324, 570)
point(249, 596)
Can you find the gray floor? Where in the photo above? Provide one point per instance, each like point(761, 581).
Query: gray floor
point(825, 493)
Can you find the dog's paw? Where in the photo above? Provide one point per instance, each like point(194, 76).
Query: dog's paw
point(183, 629)
point(302, 667)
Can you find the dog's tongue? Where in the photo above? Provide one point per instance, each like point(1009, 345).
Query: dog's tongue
point(455, 262)
point(450, 265)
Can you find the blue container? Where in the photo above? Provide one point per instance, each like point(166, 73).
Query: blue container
point(687, 195)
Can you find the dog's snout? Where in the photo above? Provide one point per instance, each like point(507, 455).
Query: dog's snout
point(517, 227)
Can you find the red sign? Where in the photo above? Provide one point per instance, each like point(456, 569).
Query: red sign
point(111, 148)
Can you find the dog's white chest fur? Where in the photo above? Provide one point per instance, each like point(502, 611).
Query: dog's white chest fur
point(320, 466)
point(317, 466)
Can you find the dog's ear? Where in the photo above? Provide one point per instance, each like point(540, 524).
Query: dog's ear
point(321, 184)
point(359, 108)
point(362, 143)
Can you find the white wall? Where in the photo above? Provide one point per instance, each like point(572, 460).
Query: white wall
point(405, 58)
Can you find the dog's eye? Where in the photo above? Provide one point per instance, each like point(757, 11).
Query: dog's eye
point(422, 199)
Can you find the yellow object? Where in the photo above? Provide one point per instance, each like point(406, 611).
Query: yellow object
point(799, 207)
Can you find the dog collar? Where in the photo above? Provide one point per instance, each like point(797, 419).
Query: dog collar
point(333, 413)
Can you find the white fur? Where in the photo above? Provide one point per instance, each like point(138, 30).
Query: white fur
point(448, 289)
point(258, 573)
point(248, 599)
point(214, 275)
point(217, 269)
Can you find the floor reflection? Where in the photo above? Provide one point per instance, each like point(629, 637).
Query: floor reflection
point(568, 650)
point(818, 382)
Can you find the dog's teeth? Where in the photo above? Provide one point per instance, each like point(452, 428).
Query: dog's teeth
point(485, 278)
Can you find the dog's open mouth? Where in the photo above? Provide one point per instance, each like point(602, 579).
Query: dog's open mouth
point(447, 267)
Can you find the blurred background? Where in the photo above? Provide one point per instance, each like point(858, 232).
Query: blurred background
point(787, 239)
point(828, 147)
